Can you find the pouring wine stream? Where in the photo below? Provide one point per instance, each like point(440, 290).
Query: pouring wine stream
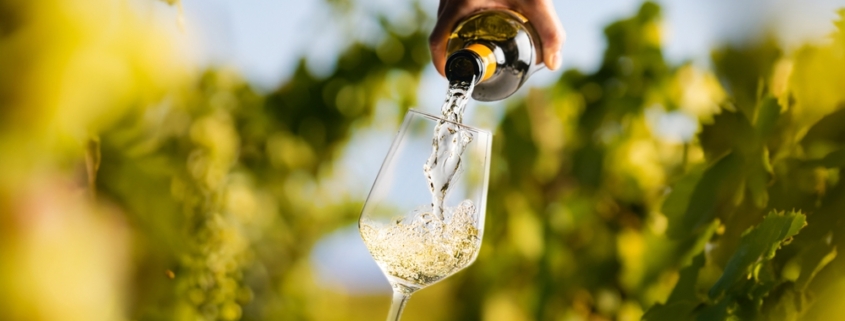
point(448, 144)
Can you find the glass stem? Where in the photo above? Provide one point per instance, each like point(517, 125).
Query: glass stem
point(400, 298)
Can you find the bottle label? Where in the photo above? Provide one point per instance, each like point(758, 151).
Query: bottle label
point(487, 58)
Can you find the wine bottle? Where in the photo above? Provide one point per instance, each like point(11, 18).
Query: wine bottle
point(497, 50)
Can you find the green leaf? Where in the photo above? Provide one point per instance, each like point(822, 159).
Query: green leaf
point(768, 114)
point(758, 243)
point(677, 201)
point(759, 176)
point(684, 297)
point(784, 304)
point(681, 310)
point(828, 129)
point(740, 71)
point(696, 243)
point(685, 288)
point(765, 281)
point(717, 186)
point(832, 159)
point(810, 261)
point(717, 312)
point(730, 131)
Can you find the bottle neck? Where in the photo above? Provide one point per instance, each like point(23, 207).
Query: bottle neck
point(475, 62)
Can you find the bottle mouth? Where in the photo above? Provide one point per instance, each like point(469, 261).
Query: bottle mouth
point(464, 65)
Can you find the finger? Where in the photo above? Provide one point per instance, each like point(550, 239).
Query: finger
point(451, 12)
point(545, 20)
point(441, 6)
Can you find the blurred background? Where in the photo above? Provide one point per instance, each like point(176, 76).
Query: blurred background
point(208, 160)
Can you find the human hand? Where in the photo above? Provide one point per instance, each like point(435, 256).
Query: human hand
point(541, 14)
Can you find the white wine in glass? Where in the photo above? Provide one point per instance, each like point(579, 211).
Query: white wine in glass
point(424, 217)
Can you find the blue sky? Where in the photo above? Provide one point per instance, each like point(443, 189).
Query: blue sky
point(265, 38)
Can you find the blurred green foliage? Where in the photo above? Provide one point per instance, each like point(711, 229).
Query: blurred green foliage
point(134, 190)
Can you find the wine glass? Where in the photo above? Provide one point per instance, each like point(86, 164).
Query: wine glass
point(424, 217)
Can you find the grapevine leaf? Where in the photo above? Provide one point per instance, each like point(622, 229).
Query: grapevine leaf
point(828, 129)
point(811, 260)
point(729, 131)
point(696, 243)
point(783, 304)
point(768, 114)
point(832, 159)
point(740, 71)
point(718, 184)
point(685, 288)
point(677, 201)
point(680, 310)
point(716, 312)
point(758, 243)
point(759, 176)
point(766, 281)
point(684, 298)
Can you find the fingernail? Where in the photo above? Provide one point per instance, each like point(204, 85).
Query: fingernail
point(554, 61)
